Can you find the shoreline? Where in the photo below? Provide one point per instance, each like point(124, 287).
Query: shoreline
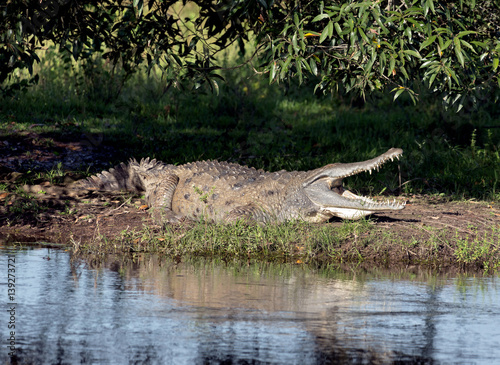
point(430, 231)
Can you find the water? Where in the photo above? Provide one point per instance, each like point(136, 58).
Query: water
point(198, 312)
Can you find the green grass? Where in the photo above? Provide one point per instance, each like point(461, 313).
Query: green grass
point(273, 242)
point(479, 249)
point(357, 243)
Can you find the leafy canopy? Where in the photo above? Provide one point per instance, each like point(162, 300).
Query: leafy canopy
point(450, 47)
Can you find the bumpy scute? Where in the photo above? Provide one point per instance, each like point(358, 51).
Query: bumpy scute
point(228, 192)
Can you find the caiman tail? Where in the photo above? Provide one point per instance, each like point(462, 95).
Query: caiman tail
point(123, 176)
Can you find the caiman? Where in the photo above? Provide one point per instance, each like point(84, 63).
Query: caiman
point(227, 192)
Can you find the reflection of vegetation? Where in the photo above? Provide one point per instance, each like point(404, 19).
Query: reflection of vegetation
point(129, 265)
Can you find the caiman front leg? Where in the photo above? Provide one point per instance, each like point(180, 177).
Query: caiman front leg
point(160, 190)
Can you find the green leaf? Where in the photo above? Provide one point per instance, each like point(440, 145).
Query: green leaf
point(460, 56)
point(376, 16)
point(329, 27)
point(392, 65)
point(368, 68)
point(428, 41)
point(388, 45)
point(408, 33)
point(413, 53)
point(495, 63)
point(429, 5)
point(456, 42)
point(458, 52)
point(363, 35)
point(428, 63)
point(314, 66)
point(214, 86)
point(465, 32)
point(284, 68)
point(453, 75)
point(431, 79)
point(319, 17)
point(294, 43)
point(306, 65)
point(177, 59)
point(403, 70)
point(468, 45)
point(352, 38)
point(382, 62)
point(272, 72)
point(339, 30)
point(446, 44)
point(399, 92)
point(443, 31)
point(302, 44)
point(299, 70)
point(325, 32)
point(350, 24)
point(139, 4)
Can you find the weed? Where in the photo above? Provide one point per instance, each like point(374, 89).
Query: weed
point(68, 210)
point(55, 172)
point(480, 250)
point(22, 207)
point(203, 196)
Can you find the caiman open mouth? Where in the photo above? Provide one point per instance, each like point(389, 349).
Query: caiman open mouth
point(324, 188)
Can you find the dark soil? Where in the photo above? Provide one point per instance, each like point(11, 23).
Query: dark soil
point(56, 213)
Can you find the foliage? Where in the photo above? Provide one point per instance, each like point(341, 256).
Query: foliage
point(180, 40)
point(449, 47)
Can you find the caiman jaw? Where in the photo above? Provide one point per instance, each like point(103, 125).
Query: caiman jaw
point(324, 188)
point(361, 206)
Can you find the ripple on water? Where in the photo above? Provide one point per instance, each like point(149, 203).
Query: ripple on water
point(200, 312)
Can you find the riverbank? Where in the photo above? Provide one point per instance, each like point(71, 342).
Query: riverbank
point(430, 231)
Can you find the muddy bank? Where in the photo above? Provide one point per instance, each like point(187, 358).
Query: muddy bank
point(429, 231)
point(44, 207)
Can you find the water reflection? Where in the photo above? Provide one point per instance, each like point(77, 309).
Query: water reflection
point(159, 311)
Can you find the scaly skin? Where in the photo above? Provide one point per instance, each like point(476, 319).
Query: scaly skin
point(227, 192)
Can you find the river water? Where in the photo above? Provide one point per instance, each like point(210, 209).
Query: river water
point(157, 311)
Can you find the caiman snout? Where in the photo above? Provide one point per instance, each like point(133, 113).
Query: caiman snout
point(326, 191)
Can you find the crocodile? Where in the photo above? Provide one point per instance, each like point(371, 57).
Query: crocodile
point(224, 192)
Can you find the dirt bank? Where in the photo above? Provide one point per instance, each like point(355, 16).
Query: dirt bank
point(429, 230)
